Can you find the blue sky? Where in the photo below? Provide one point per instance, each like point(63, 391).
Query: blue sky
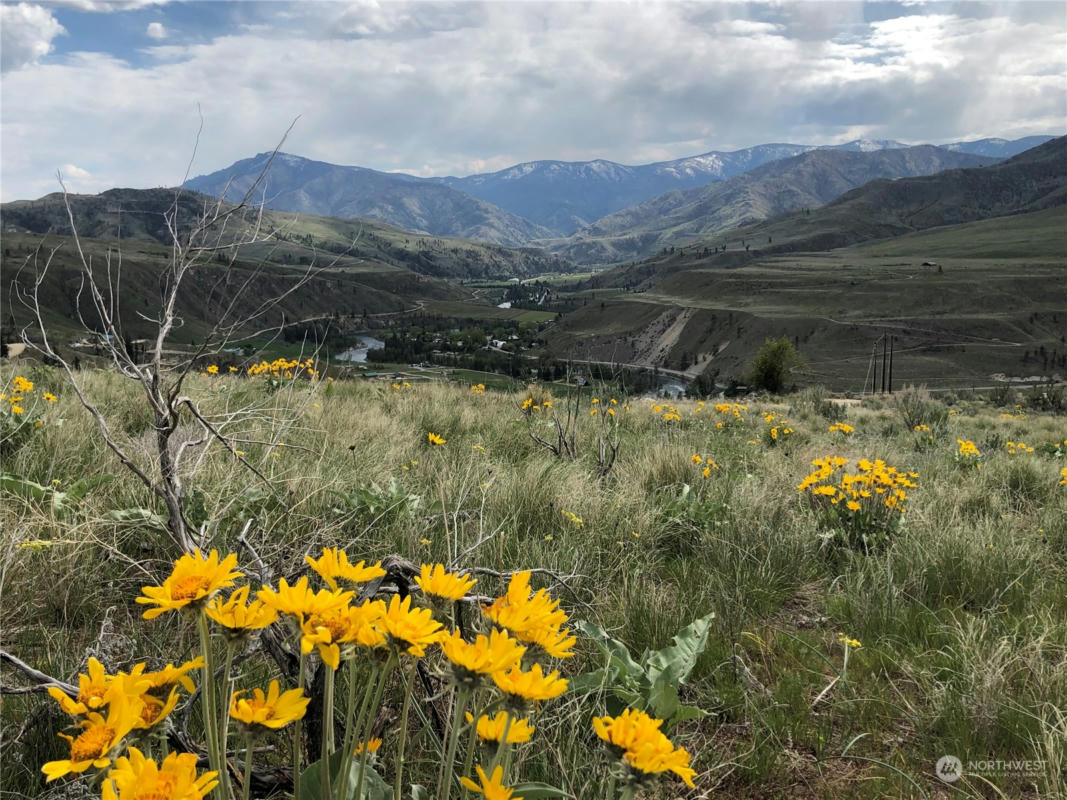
point(111, 94)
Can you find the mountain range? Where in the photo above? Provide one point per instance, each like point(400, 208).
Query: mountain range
point(538, 200)
point(804, 181)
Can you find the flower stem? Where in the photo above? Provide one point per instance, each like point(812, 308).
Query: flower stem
point(365, 733)
point(503, 746)
point(327, 731)
point(227, 694)
point(298, 732)
point(472, 744)
point(354, 723)
point(209, 708)
point(246, 784)
point(398, 786)
point(445, 774)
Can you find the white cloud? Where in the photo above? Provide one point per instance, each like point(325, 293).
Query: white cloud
point(456, 89)
point(106, 6)
point(26, 34)
point(156, 30)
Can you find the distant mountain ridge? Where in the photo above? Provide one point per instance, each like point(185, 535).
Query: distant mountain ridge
point(807, 180)
point(305, 186)
point(518, 205)
point(567, 196)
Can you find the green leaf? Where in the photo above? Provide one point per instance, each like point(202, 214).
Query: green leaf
point(22, 487)
point(137, 516)
point(685, 713)
point(613, 648)
point(534, 790)
point(374, 788)
point(673, 664)
point(589, 682)
point(79, 489)
point(418, 791)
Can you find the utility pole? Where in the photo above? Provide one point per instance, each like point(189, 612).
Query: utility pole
point(891, 342)
point(885, 353)
point(874, 358)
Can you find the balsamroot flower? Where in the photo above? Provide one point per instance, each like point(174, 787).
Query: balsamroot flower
point(490, 787)
point(410, 629)
point(472, 662)
point(532, 617)
point(193, 582)
point(491, 729)
point(437, 581)
point(135, 777)
point(92, 689)
point(372, 746)
point(637, 740)
point(299, 601)
point(326, 630)
point(334, 564)
point(239, 617)
point(273, 710)
point(163, 679)
point(533, 686)
point(99, 737)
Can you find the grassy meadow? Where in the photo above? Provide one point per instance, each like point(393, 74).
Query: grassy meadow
point(831, 669)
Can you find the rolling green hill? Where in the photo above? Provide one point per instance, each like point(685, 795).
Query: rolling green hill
point(361, 272)
point(996, 303)
point(138, 214)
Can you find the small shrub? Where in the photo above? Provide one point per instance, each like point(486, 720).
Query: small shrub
point(916, 407)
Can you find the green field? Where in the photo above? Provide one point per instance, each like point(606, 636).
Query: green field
point(955, 617)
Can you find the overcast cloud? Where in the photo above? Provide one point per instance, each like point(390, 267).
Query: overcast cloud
point(456, 88)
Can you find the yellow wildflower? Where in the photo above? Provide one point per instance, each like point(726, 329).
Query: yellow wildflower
point(192, 583)
point(491, 729)
point(238, 616)
point(274, 710)
point(533, 686)
point(134, 777)
point(490, 787)
point(334, 564)
point(437, 581)
point(470, 661)
point(99, 737)
point(410, 629)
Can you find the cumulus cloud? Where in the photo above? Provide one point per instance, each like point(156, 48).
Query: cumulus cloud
point(451, 90)
point(156, 30)
point(26, 34)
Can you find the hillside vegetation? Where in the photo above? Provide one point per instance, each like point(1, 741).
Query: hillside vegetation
point(314, 187)
point(803, 182)
point(994, 303)
point(846, 653)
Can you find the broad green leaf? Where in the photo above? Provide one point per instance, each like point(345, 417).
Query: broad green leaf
point(686, 713)
point(418, 791)
point(23, 488)
point(613, 648)
point(673, 664)
point(374, 788)
point(589, 682)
